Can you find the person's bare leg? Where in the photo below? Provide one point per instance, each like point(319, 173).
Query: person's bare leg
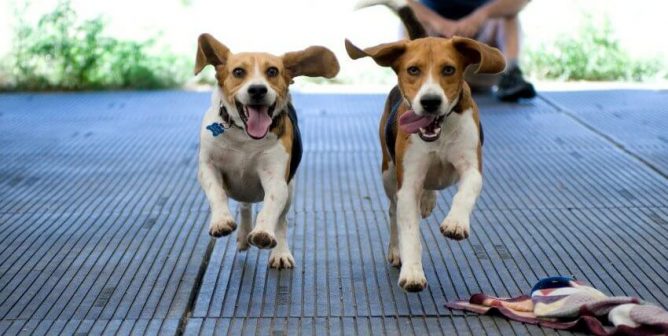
point(508, 38)
point(512, 86)
point(489, 33)
point(483, 83)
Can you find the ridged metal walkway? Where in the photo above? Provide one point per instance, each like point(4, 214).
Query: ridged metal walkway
point(103, 224)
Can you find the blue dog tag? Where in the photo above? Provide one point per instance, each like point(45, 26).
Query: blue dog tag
point(216, 129)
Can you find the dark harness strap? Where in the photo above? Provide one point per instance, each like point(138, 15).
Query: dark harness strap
point(482, 135)
point(296, 155)
point(390, 137)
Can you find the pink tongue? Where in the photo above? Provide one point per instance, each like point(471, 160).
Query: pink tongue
point(258, 122)
point(411, 122)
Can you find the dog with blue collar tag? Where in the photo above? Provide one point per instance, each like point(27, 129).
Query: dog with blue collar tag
point(250, 143)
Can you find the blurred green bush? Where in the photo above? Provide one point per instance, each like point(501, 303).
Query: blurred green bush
point(593, 54)
point(62, 52)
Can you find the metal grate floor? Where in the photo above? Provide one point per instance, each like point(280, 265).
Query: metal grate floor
point(103, 224)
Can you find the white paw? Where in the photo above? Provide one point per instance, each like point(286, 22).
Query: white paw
point(281, 259)
point(427, 203)
point(393, 256)
point(222, 226)
point(412, 279)
point(261, 239)
point(455, 228)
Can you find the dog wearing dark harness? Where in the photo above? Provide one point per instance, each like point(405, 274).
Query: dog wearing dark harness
point(430, 135)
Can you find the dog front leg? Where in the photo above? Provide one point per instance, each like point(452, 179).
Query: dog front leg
point(276, 197)
point(411, 277)
point(211, 179)
point(281, 257)
point(456, 223)
point(390, 186)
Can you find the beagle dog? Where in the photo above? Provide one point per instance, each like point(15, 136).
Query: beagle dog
point(250, 146)
point(430, 136)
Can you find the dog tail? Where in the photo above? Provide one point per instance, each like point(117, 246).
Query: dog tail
point(400, 7)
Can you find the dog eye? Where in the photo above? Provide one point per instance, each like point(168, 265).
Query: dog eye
point(272, 72)
point(413, 71)
point(238, 72)
point(448, 70)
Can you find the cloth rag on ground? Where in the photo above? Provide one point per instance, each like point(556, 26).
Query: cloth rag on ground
point(561, 302)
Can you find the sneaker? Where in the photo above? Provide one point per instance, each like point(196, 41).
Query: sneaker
point(512, 86)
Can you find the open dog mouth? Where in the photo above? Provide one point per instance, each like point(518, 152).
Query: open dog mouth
point(257, 119)
point(432, 131)
point(427, 127)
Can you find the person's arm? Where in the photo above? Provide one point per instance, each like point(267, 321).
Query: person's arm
point(432, 21)
point(502, 8)
point(470, 25)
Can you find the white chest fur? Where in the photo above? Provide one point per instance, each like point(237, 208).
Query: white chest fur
point(238, 158)
point(456, 146)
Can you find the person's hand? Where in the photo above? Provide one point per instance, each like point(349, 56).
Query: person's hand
point(470, 25)
point(442, 28)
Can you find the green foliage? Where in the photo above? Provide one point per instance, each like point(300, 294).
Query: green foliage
point(594, 54)
point(61, 52)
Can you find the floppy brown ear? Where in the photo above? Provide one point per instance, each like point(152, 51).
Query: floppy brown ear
point(313, 61)
point(383, 54)
point(489, 60)
point(209, 51)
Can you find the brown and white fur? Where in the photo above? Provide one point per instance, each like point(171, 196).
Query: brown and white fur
point(246, 165)
point(430, 83)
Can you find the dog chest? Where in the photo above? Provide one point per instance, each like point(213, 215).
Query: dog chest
point(240, 175)
point(440, 175)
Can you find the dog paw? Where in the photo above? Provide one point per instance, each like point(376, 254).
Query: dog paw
point(262, 239)
point(412, 279)
point(393, 256)
point(427, 203)
point(457, 229)
point(281, 259)
point(222, 227)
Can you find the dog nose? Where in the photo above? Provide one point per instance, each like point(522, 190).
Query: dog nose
point(257, 91)
point(430, 103)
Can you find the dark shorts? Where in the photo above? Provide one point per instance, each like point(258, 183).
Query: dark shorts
point(453, 9)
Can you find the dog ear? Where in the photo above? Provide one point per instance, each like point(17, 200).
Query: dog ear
point(383, 54)
point(313, 61)
point(489, 60)
point(209, 51)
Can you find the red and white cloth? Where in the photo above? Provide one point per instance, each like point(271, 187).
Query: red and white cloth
point(564, 303)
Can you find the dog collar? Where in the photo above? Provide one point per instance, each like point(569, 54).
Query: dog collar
point(217, 128)
point(227, 119)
